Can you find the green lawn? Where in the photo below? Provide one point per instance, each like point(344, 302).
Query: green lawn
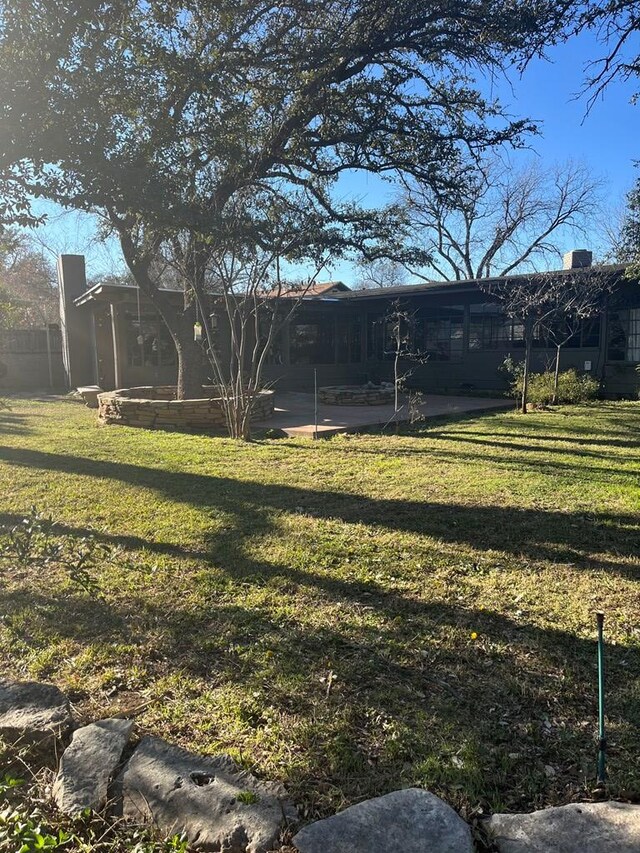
point(347, 616)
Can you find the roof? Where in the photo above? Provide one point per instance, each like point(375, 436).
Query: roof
point(335, 291)
point(115, 293)
point(320, 288)
point(471, 283)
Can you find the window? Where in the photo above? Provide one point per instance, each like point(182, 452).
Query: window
point(275, 353)
point(590, 332)
point(375, 335)
point(148, 342)
point(489, 328)
point(348, 339)
point(312, 339)
point(439, 334)
point(587, 334)
point(382, 339)
point(623, 339)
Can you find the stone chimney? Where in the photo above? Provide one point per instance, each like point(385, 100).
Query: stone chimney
point(75, 325)
point(577, 259)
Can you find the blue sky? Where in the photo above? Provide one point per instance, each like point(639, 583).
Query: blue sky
point(606, 139)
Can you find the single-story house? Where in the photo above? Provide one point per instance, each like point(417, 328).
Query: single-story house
point(114, 338)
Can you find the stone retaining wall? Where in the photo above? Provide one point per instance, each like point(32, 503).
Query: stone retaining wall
point(155, 407)
point(356, 395)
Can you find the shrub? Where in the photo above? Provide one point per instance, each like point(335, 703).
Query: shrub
point(33, 542)
point(573, 387)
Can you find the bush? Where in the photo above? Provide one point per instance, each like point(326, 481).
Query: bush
point(33, 542)
point(573, 387)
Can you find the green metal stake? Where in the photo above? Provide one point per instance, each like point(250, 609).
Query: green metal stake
point(602, 741)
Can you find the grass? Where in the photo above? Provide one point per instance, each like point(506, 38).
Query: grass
point(347, 616)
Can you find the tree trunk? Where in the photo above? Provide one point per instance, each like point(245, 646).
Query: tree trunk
point(556, 376)
point(189, 374)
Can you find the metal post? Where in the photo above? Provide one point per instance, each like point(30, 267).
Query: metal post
point(602, 741)
point(115, 335)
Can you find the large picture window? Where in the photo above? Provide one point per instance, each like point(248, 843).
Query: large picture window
point(587, 335)
point(382, 337)
point(312, 339)
point(489, 328)
point(148, 342)
point(623, 340)
point(439, 336)
point(348, 339)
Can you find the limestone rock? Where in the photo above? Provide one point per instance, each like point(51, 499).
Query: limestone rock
point(409, 821)
point(89, 394)
point(33, 711)
point(88, 764)
point(215, 803)
point(576, 828)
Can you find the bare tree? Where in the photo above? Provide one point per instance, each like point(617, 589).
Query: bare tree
point(28, 280)
point(527, 300)
point(496, 220)
point(398, 326)
point(551, 306)
point(610, 227)
point(381, 272)
point(242, 303)
point(573, 299)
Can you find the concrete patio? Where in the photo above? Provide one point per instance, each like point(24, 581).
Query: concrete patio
point(294, 415)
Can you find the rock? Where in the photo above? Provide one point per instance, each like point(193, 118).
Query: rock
point(576, 828)
point(88, 764)
point(33, 712)
point(89, 394)
point(215, 803)
point(409, 821)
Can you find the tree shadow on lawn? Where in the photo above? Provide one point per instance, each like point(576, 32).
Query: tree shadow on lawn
point(630, 444)
point(13, 423)
point(577, 538)
point(522, 462)
point(509, 445)
point(362, 708)
point(504, 441)
point(385, 691)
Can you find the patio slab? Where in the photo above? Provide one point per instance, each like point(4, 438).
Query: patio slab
point(293, 413)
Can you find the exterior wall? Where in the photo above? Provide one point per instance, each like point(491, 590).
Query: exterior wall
point(475, 371)
point(621, 380)
point(479, 370)
point(471, 370)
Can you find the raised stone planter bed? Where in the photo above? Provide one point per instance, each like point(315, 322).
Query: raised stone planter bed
point(357, 395)
point(155, 407)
